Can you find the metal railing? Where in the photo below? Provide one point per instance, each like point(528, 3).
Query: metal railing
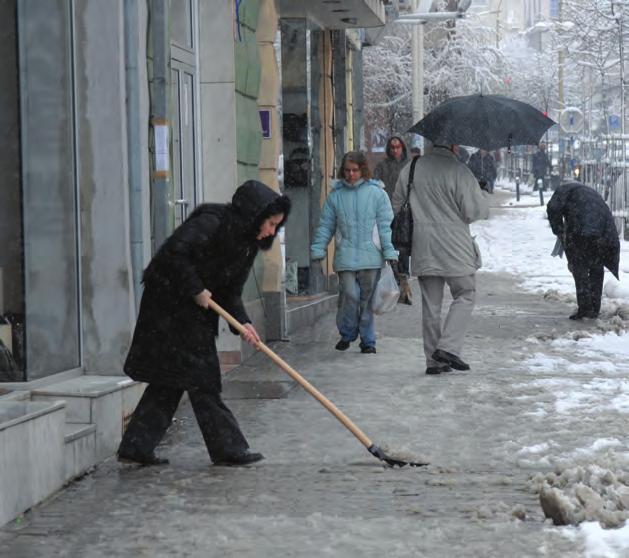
point(605, 167)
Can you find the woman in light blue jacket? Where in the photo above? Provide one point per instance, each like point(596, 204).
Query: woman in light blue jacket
point(359, 212)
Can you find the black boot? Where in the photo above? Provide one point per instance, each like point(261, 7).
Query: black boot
point(243, 458)
point(138, 459)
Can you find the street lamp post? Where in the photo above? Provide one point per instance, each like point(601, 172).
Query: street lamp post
point(417, 46)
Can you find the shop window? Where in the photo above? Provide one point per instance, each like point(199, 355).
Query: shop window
point(39, 324)
point(11, 281)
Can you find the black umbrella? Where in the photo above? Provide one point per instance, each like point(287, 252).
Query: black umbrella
point(485, 121)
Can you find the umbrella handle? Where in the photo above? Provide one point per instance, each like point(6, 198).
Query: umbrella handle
point(338, 414)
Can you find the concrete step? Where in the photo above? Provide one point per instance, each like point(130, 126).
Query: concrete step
point(31, 454)
point(105, 401)
point(303, 311)
point(80, 448)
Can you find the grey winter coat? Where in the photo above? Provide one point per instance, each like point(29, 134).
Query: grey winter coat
point(445, 198)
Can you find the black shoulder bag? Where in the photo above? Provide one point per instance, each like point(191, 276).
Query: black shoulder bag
point(402, 225)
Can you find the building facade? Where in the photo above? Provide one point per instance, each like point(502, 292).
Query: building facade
point(120, 117)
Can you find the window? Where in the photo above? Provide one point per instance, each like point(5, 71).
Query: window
point(40, 255)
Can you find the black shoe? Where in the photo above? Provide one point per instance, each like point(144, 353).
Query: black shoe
point(243, 458)
point(368, 350)
point(579, 315)
point(342, 345)
point(437, 369)
point(451, 360)
point(150, 459)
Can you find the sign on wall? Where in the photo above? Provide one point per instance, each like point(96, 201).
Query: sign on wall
point(265, 122)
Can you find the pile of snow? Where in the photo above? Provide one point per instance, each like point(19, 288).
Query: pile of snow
point(617, 289)
point(579, 494)
point(600, 542)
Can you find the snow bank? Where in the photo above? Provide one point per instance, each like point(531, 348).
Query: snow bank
point(589, 493)
point(604, 543)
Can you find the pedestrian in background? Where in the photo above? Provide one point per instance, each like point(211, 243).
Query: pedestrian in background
point(580, 218)
point(541, 167)
point(483, 167)
point(209, 256)
point(445, 199)
point(388, 171)
point(358, 212)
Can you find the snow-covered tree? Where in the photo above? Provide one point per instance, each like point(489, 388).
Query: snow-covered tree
point(531, 75)
point(387, 84)
point(461, 59)
point(590, 32)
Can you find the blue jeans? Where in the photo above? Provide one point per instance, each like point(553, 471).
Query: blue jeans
point(354, 316)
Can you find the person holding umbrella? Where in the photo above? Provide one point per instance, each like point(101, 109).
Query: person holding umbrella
point(585, 225)
point(444, 199)
point(209, 256)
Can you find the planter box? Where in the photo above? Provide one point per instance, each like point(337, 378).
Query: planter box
point(31, 454)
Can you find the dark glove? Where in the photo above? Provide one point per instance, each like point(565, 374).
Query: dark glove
point(393, 264)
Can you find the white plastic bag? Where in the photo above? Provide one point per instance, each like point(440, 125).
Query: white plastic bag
point(387, 292)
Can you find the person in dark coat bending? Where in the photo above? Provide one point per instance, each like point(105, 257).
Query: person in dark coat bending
point(585, 225)
point(173, 348)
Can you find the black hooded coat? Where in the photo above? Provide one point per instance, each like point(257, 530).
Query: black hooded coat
point(576, 210)
point(174, 338)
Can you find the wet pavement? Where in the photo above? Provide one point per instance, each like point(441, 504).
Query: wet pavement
point(319, 492)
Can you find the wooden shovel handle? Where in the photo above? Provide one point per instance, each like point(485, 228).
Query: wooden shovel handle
point(342, 417)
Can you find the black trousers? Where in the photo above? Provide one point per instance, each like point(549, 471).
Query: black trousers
point(155, 412)
point(584, 259)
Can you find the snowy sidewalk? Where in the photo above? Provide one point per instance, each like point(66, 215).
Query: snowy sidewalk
point(544, 393)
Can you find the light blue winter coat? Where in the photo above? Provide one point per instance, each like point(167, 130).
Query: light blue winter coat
point(360, 216)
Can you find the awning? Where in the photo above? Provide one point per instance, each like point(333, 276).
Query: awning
point(336, 14)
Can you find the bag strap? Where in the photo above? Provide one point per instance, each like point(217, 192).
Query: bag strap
point(411, 177)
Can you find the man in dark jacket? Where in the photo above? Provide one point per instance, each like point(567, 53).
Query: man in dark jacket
point(173, 348)
point(483, 167)
point(581, 219)
point(541, 167)
point(388, 171)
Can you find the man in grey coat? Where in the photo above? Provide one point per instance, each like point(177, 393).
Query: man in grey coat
point(445, 198)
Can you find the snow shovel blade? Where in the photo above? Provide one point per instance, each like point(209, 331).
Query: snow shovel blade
point(391, 461)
